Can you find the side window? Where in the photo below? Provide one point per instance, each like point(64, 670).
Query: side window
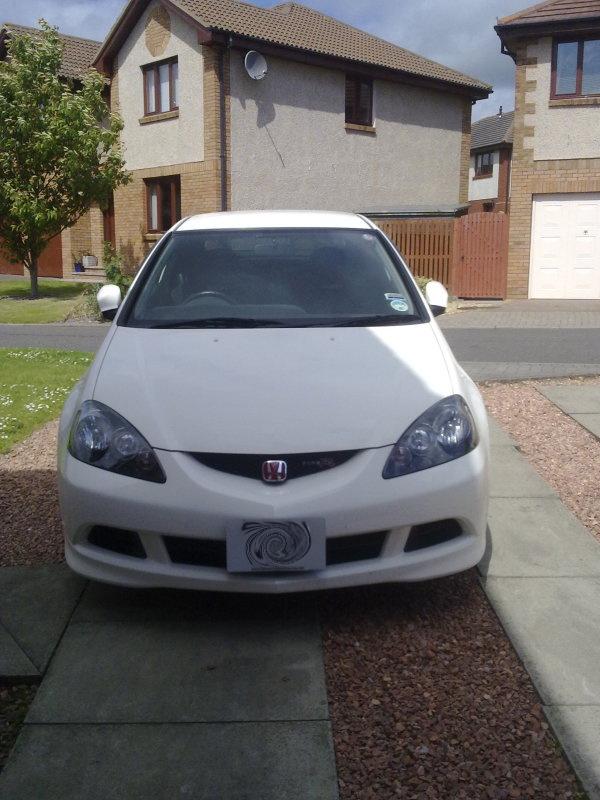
point(484, 165)
point(359, 100)
point(161, 86)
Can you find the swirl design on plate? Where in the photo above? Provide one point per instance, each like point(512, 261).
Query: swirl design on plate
point(276, 544)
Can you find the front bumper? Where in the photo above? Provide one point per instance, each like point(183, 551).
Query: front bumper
point(199, 502)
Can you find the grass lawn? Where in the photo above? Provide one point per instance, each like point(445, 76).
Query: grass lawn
point(33, 387)
point(57, 301)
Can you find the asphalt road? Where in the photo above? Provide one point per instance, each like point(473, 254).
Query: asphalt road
point(485, 353)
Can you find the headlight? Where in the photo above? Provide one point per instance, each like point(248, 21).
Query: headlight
point(101, 437)
point(444, 432)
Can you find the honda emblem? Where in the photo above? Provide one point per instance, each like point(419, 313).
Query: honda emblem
point(274, 471)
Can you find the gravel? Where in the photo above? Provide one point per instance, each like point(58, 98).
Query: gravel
point(31, 530)
point(564, 453)
point(429, 701)
point(14, 702)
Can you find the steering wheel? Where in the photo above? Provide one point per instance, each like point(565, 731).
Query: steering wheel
point(208, 293)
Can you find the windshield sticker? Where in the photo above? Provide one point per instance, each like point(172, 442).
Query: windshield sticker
point(396, 301)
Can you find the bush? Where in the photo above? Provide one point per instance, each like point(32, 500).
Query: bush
point(113, 267)
point(422, 282)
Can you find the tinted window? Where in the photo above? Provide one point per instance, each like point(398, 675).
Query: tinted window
point(274, 277)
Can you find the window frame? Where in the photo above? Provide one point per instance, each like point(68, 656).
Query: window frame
point(155, 66)
point(174, 183)
point(358, 79)
point(480, 173)
point(580, 41)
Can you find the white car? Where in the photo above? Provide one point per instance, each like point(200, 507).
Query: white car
point(274, 409)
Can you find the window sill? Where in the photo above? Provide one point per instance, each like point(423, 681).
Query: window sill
point(352, 126)
point(561, 102)
point(483, 177)
point(153, 237)
point(159, 117)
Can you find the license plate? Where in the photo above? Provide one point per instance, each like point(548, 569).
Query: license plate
point(280, 546)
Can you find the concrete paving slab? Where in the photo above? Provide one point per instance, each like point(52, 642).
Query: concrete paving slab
point(36, 604)
point(574, 398)
point(553, 624)
point(256, 761)
point(513, 476)
point(537, 537)
point(219, 668)
point(589, 421)
point(578, 728)
point(498, 434)
point(14, 664)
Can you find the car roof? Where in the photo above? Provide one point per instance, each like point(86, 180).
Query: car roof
point(248, 220)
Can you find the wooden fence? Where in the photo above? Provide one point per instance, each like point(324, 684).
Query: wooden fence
point(468, 254)
point(426, 244)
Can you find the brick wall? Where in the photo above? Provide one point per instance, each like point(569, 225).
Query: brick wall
point(200, 181)
point(530, 177)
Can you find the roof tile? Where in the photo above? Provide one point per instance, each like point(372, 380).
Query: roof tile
point(492, 131)
point(78, 54)
point(554, 11)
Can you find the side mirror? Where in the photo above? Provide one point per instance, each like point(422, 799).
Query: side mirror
point(109, 300)
point(437, 297)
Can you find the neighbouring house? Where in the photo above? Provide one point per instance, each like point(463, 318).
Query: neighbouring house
point(489, 173)
point(341, 120)
point(554, 240)
point(87, 235)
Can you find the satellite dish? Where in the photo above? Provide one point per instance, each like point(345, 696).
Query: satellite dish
point(256, 65)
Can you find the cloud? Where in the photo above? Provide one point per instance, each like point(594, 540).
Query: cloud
point(460, 35)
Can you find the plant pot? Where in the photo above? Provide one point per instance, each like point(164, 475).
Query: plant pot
point(78, 266)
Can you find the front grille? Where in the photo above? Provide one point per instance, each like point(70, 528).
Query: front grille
point(117, 540)
point(422, 536)
point(250, 466)
point(212, 552)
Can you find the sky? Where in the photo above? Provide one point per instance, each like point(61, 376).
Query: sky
point(457, 33)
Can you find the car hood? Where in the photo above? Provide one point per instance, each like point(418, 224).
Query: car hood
point(273, 391)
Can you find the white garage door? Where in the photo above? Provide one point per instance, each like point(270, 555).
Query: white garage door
point(565, 246)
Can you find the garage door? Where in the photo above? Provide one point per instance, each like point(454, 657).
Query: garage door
point(565, 247)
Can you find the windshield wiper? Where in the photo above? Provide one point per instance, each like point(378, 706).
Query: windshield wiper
point(220, 322)
point(375, 319)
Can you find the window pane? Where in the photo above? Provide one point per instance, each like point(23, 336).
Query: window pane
point(175, 78)
point(163, 75)
point(150, 95)
point(364, 103)
point(591, 67)
point(566, 67)
point(166, 217)
point(153, 190)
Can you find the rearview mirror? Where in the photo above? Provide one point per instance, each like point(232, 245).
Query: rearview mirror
point(109, 300)
point(437, 297)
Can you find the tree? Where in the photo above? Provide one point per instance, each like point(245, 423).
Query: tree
point(60, 149)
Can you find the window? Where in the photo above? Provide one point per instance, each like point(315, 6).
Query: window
point(359, 100)
point(163, 200)
point(576, 68)
point(484, 165)
point(161, 87)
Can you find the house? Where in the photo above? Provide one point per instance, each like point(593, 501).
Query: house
point(88, 234)
point(341, 119)
point(554, 240)
point(491, 153)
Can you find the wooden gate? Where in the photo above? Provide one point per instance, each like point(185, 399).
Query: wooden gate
point(480, 255)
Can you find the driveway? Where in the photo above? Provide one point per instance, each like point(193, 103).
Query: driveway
point(514, 340)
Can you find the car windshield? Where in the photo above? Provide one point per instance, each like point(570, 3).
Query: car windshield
point(273, 278)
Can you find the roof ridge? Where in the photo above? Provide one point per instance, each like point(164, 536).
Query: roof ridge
point(8, 25)
point(362, 31)
point(494, 116)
